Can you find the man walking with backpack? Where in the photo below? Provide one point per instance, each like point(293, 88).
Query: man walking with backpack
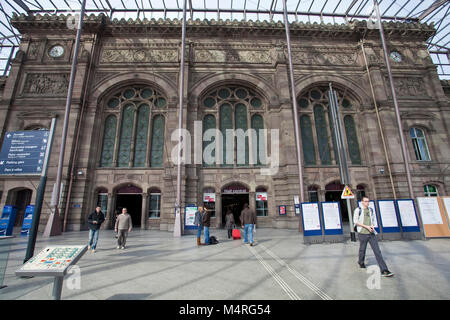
point(364, 220)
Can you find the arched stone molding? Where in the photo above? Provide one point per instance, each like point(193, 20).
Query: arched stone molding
point(264, 89)
point(340, 82)
point(109, 85)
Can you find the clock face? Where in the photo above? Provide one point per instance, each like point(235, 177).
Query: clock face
point(396, 56)
point(56, 51)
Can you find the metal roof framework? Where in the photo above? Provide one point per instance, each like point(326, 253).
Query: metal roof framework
point(320, 11)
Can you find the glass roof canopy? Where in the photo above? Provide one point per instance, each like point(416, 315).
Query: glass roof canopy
point(320, 11)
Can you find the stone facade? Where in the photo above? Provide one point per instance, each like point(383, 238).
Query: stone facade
point(250, 55)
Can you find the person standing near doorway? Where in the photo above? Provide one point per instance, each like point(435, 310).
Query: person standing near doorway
point(122, 227)
point(198, 221)
point(248, 220)
point(364, 220)
point(95, 220)
point(229, 223)
point(206, 224)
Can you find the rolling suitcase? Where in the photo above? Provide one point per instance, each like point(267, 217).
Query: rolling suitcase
point(236, 233)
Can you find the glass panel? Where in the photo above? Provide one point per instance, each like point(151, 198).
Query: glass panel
point(412, 132)
point(109, 138)
point(154, 206)
point(140, 149)
point(113, 102)
point(241, 93)
point(261, 208)
point(146, 93)
point(322, 134)
point(160, 102)
point(352, 140)
point(226, 122)
point(125, 136)
point(303, 103)
point(259, 150)
point(346, 103)
point(242, 153)
point(316, 94)
point(102, 202)
point(419, 133)
point(313, 196)
point(224, 93)
point(309, 152)
point(156, 158)
point(209, 102)
point(129, 93)
point(209, 122)
point(256, 102)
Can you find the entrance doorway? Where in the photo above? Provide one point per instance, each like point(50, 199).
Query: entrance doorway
point(333, 193)
point(130, 197)
point(234, 197)
point(21, 199)
point(235, 203)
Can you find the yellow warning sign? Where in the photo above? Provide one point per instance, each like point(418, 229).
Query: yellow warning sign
point(347, 193)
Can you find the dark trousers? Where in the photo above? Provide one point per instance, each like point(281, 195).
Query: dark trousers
point(230, 233)
point(372, 239)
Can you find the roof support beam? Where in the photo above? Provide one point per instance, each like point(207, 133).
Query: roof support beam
point(433, 7)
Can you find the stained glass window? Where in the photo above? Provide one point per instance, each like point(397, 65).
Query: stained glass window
point(352, 140)
point(109, 138)
point(140, 148)
point(226, 123)
point(259, 145)
point(309, 152)
point(322, 134)
point(156, 159)
point(126, 133)
point(209, 151)
point(242, 153)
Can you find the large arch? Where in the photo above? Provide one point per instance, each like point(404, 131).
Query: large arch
point(356, 90)
point(258, 84)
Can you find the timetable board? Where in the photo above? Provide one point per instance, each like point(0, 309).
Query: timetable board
point(52, 261)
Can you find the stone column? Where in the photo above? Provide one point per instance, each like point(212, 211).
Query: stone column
point(144, 213)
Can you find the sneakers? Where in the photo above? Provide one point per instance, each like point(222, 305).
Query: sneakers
point(387, 273)
point(362, 265)
point(93, 250)
point(118, 247)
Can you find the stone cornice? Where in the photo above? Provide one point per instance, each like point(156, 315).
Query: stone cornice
point(95, 23)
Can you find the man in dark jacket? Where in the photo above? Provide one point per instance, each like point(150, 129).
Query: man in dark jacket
point(198, 221)
point(248, 220)
point(95, 220)
point(206, 224)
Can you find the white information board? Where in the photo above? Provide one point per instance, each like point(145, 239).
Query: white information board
point(190, 216)
point(387, 214)
point(429, 210)
point(446, 202)
point(53, 260)
point(331, 216)
point(311, 219)
point(407, 213)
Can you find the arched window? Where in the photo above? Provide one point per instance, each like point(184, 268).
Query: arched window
point(352, 140)
point(157, 141)
point(420, 144)
point(109, 138)
point(315, 103)
point(154, 207)
point(430, 190)
point(309, 152)
point(133, 106)
point(313, 194)
point(234, 106)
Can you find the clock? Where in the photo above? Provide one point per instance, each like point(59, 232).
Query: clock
point(56, 51)
point(396, 56)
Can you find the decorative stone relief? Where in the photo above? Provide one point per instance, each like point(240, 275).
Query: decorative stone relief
point(325, 56)
point(139, 55)
point(33, 50)
point(409, 87)
point(232, 56)
point(55, 84)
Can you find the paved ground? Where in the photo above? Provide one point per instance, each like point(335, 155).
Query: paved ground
point(158, 266)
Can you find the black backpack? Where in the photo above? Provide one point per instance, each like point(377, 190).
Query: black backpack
point(213, 240)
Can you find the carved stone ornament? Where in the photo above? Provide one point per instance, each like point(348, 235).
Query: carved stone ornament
point(410, 87)
point(325, 56)
point(54, 84)
point(139, 55)
point(232, 56)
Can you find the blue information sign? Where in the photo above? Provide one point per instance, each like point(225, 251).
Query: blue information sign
point(23, 152)
point(27, 221)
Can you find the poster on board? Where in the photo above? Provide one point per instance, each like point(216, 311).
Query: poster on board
point(407, 213)
point(189, 216)
point(331, 215)
point(429, 210)
point(310, 216)
point(446, 202)
point(388, 214)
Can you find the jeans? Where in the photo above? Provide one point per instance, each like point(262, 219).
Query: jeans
point(248, 230)
point(206, 231)
point(93, 238)
point(199, 231)
point(372, 239)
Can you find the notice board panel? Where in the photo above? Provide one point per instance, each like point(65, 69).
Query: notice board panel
point(434, 219)
point(388, 216)
point(332, 221)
